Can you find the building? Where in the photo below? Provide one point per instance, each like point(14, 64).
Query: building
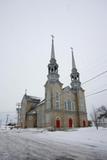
point(101, 115)
point(62, 107)
point(28, 114)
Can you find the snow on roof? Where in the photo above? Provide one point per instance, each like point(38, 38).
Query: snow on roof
point(31, 98)
point(32, 112)
point(67, 88)
point(42, 102)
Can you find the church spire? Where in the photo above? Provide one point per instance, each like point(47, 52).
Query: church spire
point(52, 48)
point(75, 80)
point(53, 66)
point(73, 60)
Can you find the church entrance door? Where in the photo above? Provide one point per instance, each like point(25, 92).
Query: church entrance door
point(84, 124)
point(58, 124)
point(70, 123)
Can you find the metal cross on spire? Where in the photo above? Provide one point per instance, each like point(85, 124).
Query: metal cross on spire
point(71, 50)
point(52, 36)
point(25, 91)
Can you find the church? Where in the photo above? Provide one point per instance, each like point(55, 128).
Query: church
point(62, 108)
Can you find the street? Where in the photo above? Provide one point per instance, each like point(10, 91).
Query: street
point(19, 145)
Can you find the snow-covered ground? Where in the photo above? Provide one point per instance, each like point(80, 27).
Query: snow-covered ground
point(40, 144)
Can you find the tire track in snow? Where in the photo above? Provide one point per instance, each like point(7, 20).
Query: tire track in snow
point(39, 147)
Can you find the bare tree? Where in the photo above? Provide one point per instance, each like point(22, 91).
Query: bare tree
point(98, 115)
point(102, 116)
point(102, 111)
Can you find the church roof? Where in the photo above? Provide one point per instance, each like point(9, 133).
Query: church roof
point(67, 88)
point(32, 98)
point(42, 102)
point(32, 112)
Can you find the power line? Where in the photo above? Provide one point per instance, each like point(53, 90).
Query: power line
point(98, 75)
point(104, 90)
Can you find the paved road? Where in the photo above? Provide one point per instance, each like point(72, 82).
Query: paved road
point(19, 147)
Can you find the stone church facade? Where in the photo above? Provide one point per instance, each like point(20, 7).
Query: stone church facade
point(61, 108)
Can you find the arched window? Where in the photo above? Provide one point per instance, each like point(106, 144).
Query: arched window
point(69, 105)
point(52, 69)
point(73, 106)
point(57, 101)
point(49, 69)
point(55, 68)
point(65, 105)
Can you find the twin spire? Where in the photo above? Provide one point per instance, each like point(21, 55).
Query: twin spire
point(53, 53)
point(52, 48)
point(53, 69)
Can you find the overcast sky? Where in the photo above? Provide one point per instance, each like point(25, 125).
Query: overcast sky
point(25, 46)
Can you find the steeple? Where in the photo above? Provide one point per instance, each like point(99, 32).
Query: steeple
point(52, 48)
point(75, 80)
point(53, 66)
point(73, 60)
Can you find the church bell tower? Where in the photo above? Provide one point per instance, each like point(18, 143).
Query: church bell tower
point(53, 66)
point(75, 78)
